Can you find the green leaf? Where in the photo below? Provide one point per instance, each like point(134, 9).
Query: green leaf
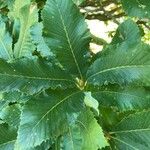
point(122, 67)
point(11, 115)
point(66, 34)
point(44, 146)
point(127, 35)
point(85, 135)
point(92, 134)
point(72, 140)
point(137, 8)
point(5, 43)
point(18, 5)
point(31, 76)
point(38, 40)
point(133, 132)
point(91, 102)
point(7, 137)
point(3, 104)
point(4, 3)
point(47, 117)
point(124, 99)
point(28, 16)
point(15, 96)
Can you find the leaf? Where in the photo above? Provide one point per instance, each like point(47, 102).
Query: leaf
point(4, 3)
point(32, 76)
point(47, 117)
point(122, 68)
point(7, 137)
point(5, 43)
point(3, 104)
point(93, 136)
point(66, 34)
point(127, 35)
point(133, 132)
point(44, 146)
point(28, 16)
point(18, 5)
point(137, 8)
point(38, 40)
point(124, 99)
point(72, 140)
point(15, 96)
point(91, 102)
point(11, 115)
point(85, 135)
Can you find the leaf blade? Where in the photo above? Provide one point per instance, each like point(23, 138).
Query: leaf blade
point(36, 76)
point(65, 30)
point(43, 111)
point(122, 68)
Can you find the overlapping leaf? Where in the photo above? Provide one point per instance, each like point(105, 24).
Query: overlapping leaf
point(7, 137)
point(86, 135)
point(36, 35)
point(28, 16)
point(11, 115)
point(72, 140)
point(93, 136)
point(5, 43)
point(124, 99)
point(127, 36)
point(122, 68)
point(133, 132)
point(47, 117)
point(66, 34)
point(137, 8)
point(31, 76)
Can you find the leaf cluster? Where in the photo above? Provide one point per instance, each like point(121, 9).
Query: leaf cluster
point(56, 95)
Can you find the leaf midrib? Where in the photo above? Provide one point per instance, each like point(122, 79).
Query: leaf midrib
point(68, 40)
point(56, 105)
point(115, 68)
point(35, 78)
point(121, 141)
point(129, 131)
point(23, 33)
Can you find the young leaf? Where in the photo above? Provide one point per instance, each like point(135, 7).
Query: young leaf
point(31, 76)
point(85, 135)
point(65, 32)
point(28, 16)
point(47, 117)
point(18, 5)
point(133, 132)
point(122, 68)
point(5, 43)
point(93, 137)
point(7, 137)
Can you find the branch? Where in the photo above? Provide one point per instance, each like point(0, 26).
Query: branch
point(98, 41)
